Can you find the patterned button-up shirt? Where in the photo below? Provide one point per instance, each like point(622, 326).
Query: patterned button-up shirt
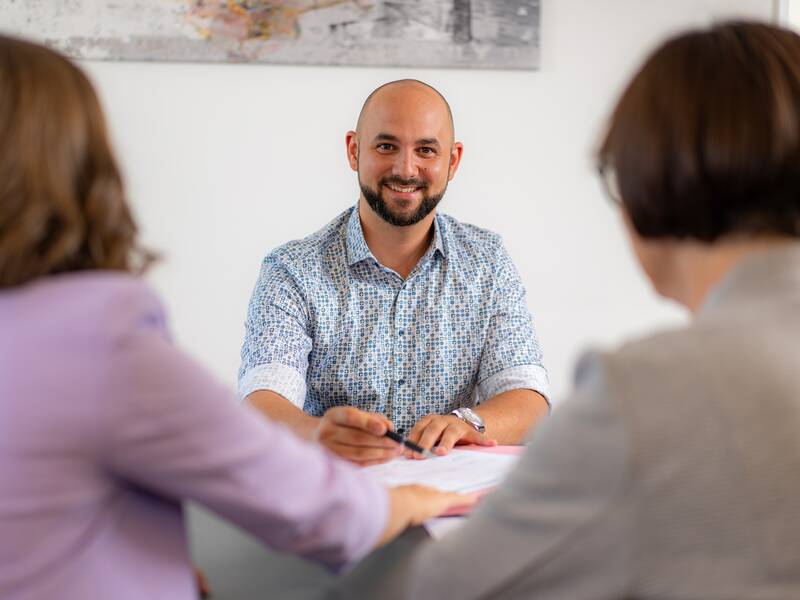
point(329, 325)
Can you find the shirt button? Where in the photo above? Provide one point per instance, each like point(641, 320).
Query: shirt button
point(400, 332)
point(401, 382)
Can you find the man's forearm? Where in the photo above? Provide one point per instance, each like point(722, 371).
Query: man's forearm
point(280, 410)
point(510, 415)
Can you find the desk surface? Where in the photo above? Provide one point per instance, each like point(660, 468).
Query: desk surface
point(240, 568)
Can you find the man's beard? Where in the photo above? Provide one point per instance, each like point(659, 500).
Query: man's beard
point(381, 207)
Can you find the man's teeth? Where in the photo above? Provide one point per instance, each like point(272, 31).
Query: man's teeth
point(402, 190)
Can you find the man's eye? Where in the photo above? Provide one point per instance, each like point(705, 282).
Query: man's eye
point(385, 147)
point(426, 150)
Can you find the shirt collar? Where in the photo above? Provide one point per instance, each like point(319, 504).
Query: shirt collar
point(357, 249)
point(439, 237)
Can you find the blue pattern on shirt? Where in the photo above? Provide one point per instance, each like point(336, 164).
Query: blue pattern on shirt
point(328, 325)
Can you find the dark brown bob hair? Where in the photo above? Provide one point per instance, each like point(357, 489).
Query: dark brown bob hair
point(62, 206)
point(705, 140)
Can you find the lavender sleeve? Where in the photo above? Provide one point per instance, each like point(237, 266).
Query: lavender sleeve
point(178, 433)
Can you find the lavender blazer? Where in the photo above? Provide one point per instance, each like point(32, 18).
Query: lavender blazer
point(105, 427)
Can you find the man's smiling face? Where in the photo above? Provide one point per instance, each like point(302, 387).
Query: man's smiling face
point(404, 151)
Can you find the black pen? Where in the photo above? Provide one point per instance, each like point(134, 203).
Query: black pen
point(393, 435)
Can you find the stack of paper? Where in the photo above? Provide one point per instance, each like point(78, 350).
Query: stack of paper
point(463, 471)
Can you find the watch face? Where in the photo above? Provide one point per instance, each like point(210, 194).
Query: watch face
point(473, 419)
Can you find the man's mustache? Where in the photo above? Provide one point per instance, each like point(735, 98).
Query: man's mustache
point(400, 182)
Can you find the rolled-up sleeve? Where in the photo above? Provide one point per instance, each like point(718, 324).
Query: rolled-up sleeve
point(511, 357)
point(277, 341)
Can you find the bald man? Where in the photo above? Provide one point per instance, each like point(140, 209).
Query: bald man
point(393, 316)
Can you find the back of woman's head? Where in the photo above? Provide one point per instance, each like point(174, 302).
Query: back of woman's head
point(62, 206)
point(705, 141)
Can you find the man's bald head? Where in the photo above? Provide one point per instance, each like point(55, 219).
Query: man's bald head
point(409, 87)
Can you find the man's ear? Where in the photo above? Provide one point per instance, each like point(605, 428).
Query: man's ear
point(351, 141)
point(456, 152)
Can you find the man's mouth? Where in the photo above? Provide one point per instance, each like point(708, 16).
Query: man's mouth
point(403, 189)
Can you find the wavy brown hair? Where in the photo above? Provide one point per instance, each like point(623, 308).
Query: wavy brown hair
point(62, 205)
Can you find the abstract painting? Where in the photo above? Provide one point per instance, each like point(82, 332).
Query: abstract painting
point(423, 33)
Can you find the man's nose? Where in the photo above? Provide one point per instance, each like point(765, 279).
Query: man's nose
point(405, 166)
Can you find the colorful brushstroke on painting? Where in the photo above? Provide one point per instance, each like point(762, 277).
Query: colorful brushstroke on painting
point(440, 33)
point(242, 20)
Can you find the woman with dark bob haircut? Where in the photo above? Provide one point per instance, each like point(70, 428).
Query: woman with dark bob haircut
point(105, 427)
point(673, 471)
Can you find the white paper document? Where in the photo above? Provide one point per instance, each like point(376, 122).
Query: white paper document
point(463, 471)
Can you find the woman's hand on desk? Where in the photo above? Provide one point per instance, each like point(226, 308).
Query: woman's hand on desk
point(411, 505)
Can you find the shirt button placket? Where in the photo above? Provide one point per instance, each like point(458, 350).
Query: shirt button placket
point(401, 362)
point(394, 282)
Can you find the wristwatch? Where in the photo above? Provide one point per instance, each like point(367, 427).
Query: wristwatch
point(471, 418)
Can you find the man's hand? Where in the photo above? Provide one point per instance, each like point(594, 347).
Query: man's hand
point(357, 435)
point(444, 432)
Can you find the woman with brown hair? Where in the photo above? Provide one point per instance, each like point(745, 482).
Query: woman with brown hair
point(105, 427)
point(674, 469)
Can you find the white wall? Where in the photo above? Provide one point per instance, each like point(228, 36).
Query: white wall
point(789, 13)
point(224, 162)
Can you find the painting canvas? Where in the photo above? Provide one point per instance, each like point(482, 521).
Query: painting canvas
point(426, 33)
